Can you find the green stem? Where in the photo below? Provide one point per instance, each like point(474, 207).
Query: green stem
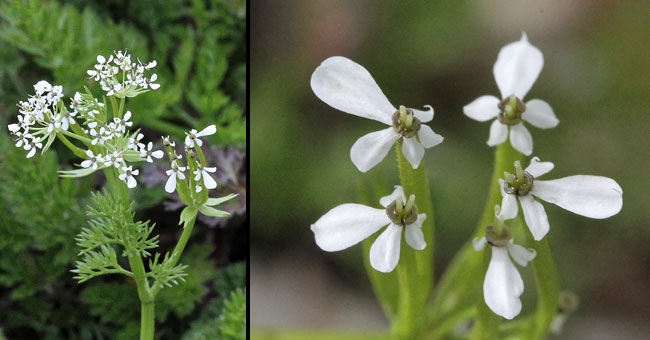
point(75, 149)
point(147, 320)
point(415, 269)
point(486, 324)
point(178, 250)
point(547, 287)
point(75, 136)
point(147, 317)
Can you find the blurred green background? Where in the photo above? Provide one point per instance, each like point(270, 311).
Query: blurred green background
point(596, 77)
point(200, 48)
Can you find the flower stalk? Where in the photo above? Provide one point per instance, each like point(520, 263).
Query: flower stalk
point(415, 270)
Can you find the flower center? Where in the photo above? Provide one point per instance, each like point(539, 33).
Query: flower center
point(511, 110)
point(402, 214)
point(405, 123)
point(518, 184)
point(497, 238)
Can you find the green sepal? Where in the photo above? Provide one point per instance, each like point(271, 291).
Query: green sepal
point(211, 202)
point(187, 215)
point(212, 211)
point(50, 140)
point(77, 172)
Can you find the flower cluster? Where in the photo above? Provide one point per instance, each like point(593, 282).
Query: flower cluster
point(121, 77)
point(516, 69)
point(40, 116)
point(199, 172)
point(106, 134)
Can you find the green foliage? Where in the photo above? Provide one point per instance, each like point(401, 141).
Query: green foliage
point(224, 317)
point(200, 49)
point(184, 298)
point(39, 214)
point(233, 322)
point(111, 224)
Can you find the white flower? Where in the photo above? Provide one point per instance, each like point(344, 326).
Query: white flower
point(42, 86)
point(349, 224)
point(92, 161)
point(100, 137)
point(208, 181)
point(503, 285)
point(127, 176)
point(347, 86)
point(114, 159)
point(516, 69)
point(34, 144)
point(176, 172)
point(193, 136)
point(148, 153)
point(135, 143)
point(55, 95)
point(589, 196)
point(121, 124)
point(150, 82)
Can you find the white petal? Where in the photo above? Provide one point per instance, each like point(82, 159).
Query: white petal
point(521, 139)
point(89, 153)
point(189, 142)
point(371, 149)
point(428, 138)
point(517, 67)
point(418, 222)
point(127, 115)
point(154, 86)
point(180, 174)
point(384, 253)
point(170, 186)
point(498, 133)
point(86, 163)
point(347, 86)
point(590, 196)
point(424, 116)
point(347, 225)
point(414, 237)
point(413, 151)
point(479, 243)
point(131, 183)
point(398, 192)
point(537, 168)
point(540, 114)
point(208, 131)
point(509, 207)
point(101, 59)
point(157, 154)
point(503, 285)
point(482, 108)
point(31, 153)
point(208, 181)
point(520, 254)
point(535, 216)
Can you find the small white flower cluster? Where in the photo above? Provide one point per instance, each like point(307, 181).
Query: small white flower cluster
point(132, 81)
point(109, 142)
point(40, 115)
point(201, 172)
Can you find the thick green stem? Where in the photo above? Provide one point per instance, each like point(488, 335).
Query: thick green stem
point(147, 320)
point(147, 317)
point(415, 269)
